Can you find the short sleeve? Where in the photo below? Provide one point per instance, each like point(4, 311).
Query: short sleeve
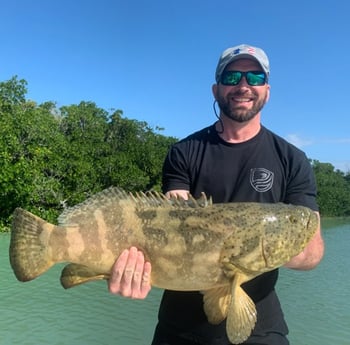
point(301, 186)
point(175, 170)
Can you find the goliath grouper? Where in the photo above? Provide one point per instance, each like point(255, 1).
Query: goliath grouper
point(193, 245)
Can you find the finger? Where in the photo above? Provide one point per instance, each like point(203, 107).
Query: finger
point(141, 280)
point(146, 280)
point(136, 282)
point(117, 272)
point(130, 269)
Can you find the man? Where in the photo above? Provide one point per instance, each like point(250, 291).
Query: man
point(236, 159)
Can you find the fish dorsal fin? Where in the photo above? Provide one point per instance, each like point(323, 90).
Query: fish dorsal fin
point(241, 316)
point(216, 302)
point(105, 198)
point(153, 198)
point(203, 201)
point(110, 196)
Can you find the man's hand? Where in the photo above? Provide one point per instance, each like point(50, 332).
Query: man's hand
point(130, 275)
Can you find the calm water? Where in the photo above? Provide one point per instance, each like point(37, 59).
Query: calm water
point(316, 304)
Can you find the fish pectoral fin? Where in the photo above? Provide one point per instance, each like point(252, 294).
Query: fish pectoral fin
point(216, 303)
point(241, 316)
point(74, 274)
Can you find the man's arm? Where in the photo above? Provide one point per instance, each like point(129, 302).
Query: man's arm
point(312, 254)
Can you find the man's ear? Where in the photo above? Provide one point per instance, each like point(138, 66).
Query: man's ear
point(268, 94)
point(214, 89)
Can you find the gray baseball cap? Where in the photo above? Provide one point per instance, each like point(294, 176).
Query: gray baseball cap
point(242, 51)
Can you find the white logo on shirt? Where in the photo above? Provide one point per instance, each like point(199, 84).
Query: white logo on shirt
point(261, 179)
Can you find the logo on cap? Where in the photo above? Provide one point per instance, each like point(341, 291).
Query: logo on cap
point(250, 50)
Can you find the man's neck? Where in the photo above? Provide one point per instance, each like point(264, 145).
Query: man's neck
point(238, 132)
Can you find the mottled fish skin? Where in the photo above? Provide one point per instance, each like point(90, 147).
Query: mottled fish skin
point(191, 245)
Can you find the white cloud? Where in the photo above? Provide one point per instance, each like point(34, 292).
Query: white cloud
point(298, 141)
point(330, 150)
point(338, 141)
point(342, 166)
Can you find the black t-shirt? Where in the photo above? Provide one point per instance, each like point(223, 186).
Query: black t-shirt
point(265, 168)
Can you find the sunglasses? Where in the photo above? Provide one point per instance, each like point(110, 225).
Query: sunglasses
point(253, 78)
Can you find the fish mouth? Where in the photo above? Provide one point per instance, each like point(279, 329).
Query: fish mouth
point(308, 224)
point(263, 254)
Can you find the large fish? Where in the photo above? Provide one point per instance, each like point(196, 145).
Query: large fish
point(192, 245)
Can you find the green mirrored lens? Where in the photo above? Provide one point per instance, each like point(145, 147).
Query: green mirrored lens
point(254, 78)
point(231, 77)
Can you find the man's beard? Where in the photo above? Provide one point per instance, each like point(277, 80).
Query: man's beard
point(240, 114)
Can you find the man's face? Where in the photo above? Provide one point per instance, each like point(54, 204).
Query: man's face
point(241, 102)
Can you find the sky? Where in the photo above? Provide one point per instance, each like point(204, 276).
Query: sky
point(155, 60)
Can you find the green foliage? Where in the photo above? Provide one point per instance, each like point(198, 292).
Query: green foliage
point(53, 157)
point(333, 190)
point(83, 127)
point(141, 152)
point(12, 93)
point(29, 152)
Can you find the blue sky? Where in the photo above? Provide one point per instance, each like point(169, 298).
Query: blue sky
point(156, 59)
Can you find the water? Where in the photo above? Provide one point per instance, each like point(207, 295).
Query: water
point(316, 303)
point(41, 312)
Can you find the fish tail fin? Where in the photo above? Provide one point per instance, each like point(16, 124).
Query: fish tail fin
point(29, 257)
point(241, 317)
